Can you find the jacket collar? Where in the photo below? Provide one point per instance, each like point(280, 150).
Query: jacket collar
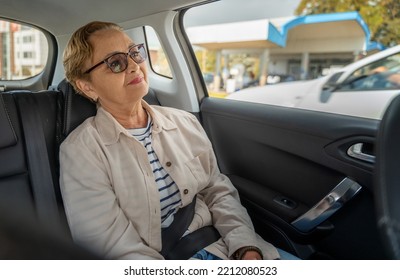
point(110, 129)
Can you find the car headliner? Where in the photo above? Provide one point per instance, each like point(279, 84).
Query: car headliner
point(62, 17)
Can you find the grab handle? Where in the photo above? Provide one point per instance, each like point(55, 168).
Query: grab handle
point(325, 208)
point(356, 151)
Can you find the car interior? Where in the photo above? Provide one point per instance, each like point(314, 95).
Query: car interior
point(305, 192)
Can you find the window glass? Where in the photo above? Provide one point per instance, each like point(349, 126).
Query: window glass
point(283, 53)
point(381, 74)
point(23, 51)
point(157, 57)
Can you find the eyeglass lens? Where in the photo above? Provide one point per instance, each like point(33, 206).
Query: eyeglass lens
point(119, 61)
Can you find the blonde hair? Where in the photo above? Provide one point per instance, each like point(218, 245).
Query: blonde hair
point(79, 50)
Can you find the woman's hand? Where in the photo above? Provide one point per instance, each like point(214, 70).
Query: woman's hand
point(248, 253)
point(251, 255)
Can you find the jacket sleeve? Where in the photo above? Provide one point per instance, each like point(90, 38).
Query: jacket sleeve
point(95, 218)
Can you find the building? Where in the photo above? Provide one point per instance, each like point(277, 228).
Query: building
point(302, 47)
point(30, 52)
point(23, 51)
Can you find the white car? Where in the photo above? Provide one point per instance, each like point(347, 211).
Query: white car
point(363, 88)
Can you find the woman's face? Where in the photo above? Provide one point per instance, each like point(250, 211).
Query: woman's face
point(116, 92)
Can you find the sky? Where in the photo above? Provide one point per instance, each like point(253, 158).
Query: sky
point(240, 10)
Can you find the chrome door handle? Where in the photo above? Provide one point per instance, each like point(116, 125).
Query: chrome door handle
point(325, 208)
point(355, 151)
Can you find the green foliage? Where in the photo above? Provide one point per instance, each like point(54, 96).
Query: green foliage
point(207, 60)
point(381, 16)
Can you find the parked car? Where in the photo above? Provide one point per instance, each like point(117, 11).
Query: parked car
point(363, 88)
point(306, 177)
point(271, 80)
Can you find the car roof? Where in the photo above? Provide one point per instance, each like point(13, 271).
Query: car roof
point(62, 17)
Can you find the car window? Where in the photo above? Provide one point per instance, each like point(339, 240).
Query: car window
point(280, 53)
point(24, 51)
point(157, 57)
point(381, 74)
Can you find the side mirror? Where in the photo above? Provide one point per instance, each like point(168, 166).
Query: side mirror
point(326, 93)
point(330, 86)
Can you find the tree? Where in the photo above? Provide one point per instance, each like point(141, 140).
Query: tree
point(381, 16)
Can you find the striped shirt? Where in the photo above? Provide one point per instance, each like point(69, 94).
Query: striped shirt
point(170, 198)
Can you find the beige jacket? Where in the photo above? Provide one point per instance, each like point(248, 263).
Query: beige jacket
point(111, 199)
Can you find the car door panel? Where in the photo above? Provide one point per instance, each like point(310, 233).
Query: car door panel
point(285, 161)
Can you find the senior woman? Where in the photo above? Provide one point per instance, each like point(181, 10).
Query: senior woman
point(128, 171)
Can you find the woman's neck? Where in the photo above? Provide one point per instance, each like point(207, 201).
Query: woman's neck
point(134, 117)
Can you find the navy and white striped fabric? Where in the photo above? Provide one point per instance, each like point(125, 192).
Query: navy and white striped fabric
point(170, 197)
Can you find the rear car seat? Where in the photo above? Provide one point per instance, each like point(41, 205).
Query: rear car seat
point(32, 221)
point(32, 218)
point(16, 174)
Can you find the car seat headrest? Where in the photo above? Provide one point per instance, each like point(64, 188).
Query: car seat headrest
point(77, 108)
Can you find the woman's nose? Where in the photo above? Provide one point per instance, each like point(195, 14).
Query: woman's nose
point(132, 65)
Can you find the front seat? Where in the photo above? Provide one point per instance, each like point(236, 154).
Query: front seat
point(387, 179)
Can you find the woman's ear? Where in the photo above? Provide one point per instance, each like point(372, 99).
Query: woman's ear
point(86, 88)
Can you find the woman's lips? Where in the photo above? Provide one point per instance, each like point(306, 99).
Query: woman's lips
point(136, 80)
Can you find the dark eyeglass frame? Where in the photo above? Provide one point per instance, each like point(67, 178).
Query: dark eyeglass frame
point(130, 53)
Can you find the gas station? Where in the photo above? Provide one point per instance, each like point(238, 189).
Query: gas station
point(301, 48)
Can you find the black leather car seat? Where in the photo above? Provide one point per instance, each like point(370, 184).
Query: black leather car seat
point(19, 170)
point(32, 221)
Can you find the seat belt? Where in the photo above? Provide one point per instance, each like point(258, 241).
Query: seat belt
point(193, 242)
point(171, 235)
point(38, 162)
point(176, 248)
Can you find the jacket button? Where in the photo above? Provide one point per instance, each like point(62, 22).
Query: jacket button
point(185, 191)
point(168, 164)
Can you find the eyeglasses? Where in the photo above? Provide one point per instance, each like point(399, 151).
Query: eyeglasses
point(118, 62)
